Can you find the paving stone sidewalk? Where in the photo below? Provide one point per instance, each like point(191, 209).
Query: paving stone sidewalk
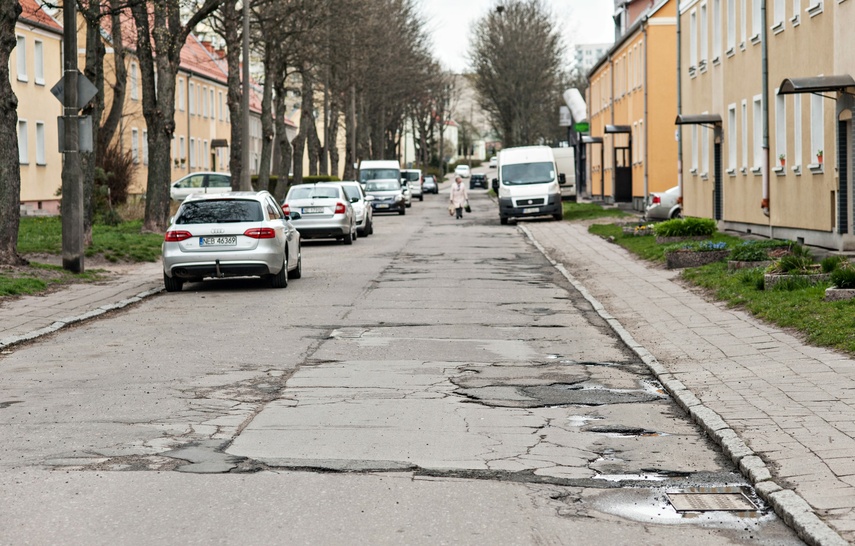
point(29, 317)
point(783, 410)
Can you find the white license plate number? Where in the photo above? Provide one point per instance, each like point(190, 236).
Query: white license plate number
point(313, 210)
point(218, 241)
point(531, 210)
point(382, 206)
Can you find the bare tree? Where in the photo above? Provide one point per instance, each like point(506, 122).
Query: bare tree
point(516, 59)
point(10, 170)
point(160, 37)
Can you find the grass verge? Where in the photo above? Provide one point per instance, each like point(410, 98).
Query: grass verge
point(36, 278)
point(589, 211)
point(125, 242)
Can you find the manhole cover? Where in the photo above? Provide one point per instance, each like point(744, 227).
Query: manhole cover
point(708, 502)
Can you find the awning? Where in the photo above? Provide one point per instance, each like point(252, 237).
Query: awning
point(617, 129)
point(591, 139)
point(219, 143)
point(817, 84)
point(701, 119)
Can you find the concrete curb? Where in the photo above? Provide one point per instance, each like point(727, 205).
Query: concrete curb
point(789, 506)
point(67, 321)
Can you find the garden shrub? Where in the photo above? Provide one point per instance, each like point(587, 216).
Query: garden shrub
point(686, 227)
point(794, 282)
point(830, 263)
point(844, 276)
point(757, 251)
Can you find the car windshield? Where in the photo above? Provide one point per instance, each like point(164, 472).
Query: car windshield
point(412, 176)
point(387, 185)
point(219, 211)
point(351, 191)
point(313, 192)
point(528, 173)
point(378, 174)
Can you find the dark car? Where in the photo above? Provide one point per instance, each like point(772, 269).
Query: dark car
point(478, 181)
point(429, 185)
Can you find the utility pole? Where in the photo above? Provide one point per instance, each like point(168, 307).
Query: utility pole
point(245, 179)
point(72, 175)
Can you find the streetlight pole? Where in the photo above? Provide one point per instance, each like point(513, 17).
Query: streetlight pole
point(245, 179)
point(72, 175)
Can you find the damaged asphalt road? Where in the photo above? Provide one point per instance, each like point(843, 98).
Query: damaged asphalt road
point(448, 386)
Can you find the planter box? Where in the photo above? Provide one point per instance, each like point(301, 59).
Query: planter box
point(669, 240)
point(637, 232)
point(679, 259)
point(837, 294)
point(771, 279)
point(733, 265)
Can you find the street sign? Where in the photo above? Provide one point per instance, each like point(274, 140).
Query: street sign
point(84, 134)
point(582, 127)
point(86, 90)
point(564, 117)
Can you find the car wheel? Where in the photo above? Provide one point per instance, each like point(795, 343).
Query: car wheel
point(348, 239)
point(172, 284)
point(402, 212)
point(421, 197)
point(503, 220)
point(369, 229)
point(677, 214)
point(280, 280)
point(297, 272)
point(410, 204)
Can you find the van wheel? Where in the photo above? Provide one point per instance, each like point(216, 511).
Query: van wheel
point(503, 220)
point(558, 216)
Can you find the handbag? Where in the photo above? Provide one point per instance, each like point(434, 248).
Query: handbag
point(466, 206)
point(451, 209)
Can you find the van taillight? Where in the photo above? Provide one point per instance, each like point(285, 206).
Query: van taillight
point(340, 208)
point(260, 233)
point(176, 236)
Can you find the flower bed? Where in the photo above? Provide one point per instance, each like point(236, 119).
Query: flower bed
point(770, 280)
point(638, 230)
point(837, 294)
point(734, 265)
point(695, 254)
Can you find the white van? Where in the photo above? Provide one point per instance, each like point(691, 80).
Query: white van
point(528, 184)
point(370, 169)
point(565, 160)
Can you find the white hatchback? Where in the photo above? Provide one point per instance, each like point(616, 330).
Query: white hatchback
point(201, 182)
point(462, 171)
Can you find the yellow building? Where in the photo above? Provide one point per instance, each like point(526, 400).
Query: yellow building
point(35, 66)
point(632, 102)
point(761, 155)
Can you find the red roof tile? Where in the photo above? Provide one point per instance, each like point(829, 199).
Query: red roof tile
point(34, 13)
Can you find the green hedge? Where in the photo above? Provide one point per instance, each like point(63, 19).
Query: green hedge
point(686, 227)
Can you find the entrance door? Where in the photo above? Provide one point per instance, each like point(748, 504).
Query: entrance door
point(623, 175)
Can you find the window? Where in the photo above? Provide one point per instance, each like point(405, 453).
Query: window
point(205, 160)
point(181, 151)
point(797, 131)
point(192, 153)
point(814, 7)
point(744, 136)
point(221, 105)
point(705, 149)
point(780, 125)
point(21, 58)
point(779, 14)
point(817, 126)
point(704, 40)
point(180, 91)
point(716, 29)
point(211, 103)
point(641, 141)
point(204, 93)
point(731, 138)
point(135, 145)
point(145, 147)
point(797, 8)
point(693, 39)
point(758, 133)
point(694, 149)
point(135, 94)
point(743, 27)
point(731, 25)
point(191, 95)
point(23, 149)
point(756, 19)
point(39, 61)
point(40, 143)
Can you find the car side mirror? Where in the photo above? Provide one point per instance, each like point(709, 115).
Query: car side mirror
point(354, 199)
point(294, 215)
point(369, 198)
point(562, 178)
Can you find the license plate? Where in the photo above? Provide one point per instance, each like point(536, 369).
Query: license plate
point(531, 210)
point(382, 206)
point(313, 210)
point(218, 241)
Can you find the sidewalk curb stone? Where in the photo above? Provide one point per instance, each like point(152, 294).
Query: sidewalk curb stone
point(789, 506)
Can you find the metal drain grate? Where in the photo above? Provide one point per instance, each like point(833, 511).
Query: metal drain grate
point(708, 502)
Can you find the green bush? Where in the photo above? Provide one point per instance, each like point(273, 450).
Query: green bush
point(844, 276)
point(831, 263)
point(794, 282)
point(686, 227)
point(756, 251)
point(793, 264)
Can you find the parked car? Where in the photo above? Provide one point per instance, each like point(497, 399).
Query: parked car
point(201, 182)
point(230, 235)
point(361, 206)
point(325, 211)
point(494, 162)
point(429, 185)
point(388, 196)
point(414, 177)
point(462, 171)
point(405, 191)
point(478, 180)
point(663, 205)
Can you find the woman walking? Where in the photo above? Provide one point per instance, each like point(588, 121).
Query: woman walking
point(459, 197)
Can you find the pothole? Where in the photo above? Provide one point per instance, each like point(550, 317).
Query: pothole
point(618, 431)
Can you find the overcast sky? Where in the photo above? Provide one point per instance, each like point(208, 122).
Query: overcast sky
point(450, 23)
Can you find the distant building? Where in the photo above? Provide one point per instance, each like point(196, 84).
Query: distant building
point(585, 56)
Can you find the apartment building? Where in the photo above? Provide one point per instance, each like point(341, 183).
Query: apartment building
point(763, 155)
point(632, 102)
point(35, 66)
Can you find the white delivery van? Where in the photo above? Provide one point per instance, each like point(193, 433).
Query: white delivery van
point(370, 169)
point(528, 184)
point(565, 161)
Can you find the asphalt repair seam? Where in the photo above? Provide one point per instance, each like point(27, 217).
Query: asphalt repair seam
point(792, 508)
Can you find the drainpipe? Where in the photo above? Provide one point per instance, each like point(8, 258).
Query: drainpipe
point(646, 124)
point(679, 110)
point(612, 118)
point(187, 140)
point(764, 167)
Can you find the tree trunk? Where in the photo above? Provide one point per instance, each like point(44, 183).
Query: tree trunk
point(111, 123)
point(284, 166)
point(267, 128)
point(94, 71)
point(10, 169)
point(331, 141)
point(232, 25)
